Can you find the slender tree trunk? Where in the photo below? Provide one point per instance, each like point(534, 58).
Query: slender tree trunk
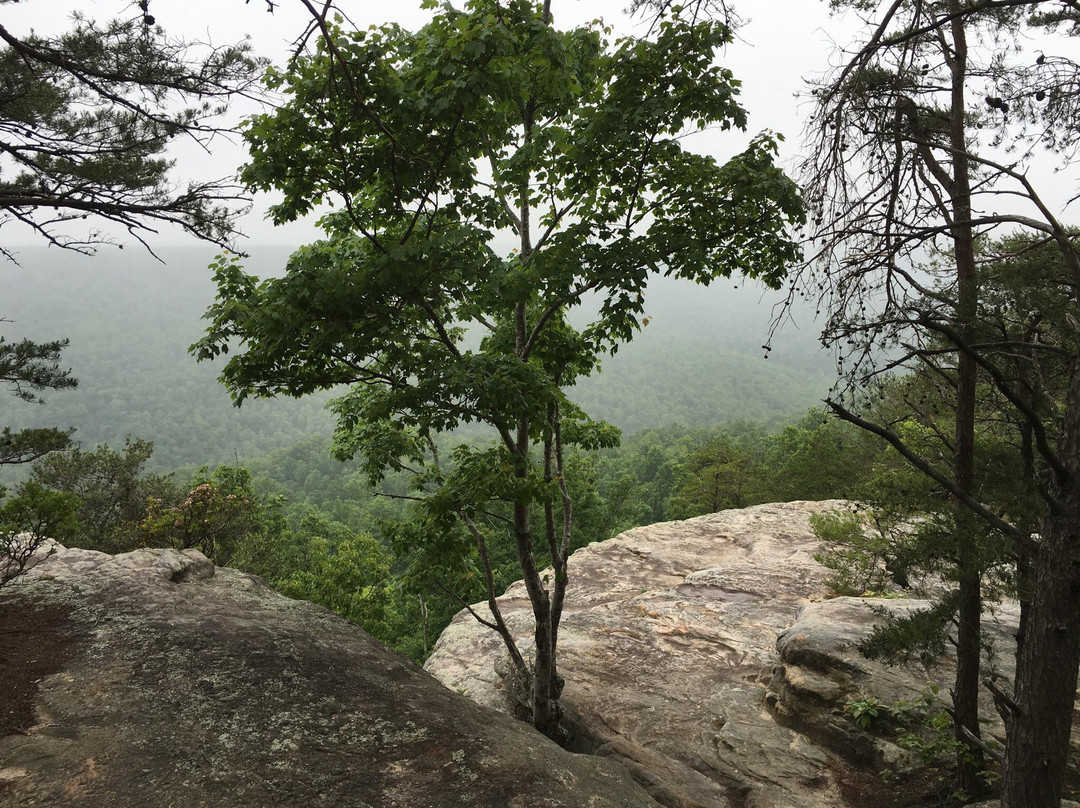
point(546, 713)
point(545, 710)
point(970, 761)
point(1025, 560)
point(560, 556)
point(1040, 724)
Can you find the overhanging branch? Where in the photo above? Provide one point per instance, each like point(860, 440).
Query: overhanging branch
point(950, 486)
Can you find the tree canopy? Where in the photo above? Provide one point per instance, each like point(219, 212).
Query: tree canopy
point(487, 121)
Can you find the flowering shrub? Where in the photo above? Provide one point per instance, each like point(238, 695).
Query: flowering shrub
point(219, 512)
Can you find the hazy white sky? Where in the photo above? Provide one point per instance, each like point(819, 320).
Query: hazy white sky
point(783, 42)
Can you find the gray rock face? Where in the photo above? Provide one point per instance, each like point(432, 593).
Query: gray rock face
point(705, 657)
point(822, 670)
point(184, 686)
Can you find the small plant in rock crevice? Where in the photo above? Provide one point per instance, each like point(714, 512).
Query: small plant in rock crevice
point(866, 711)
point(923, 727)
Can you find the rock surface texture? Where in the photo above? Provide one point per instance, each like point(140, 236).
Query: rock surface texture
point(705, 657)
point(174, 684)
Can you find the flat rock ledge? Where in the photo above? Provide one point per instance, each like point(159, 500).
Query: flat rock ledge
point(707, 658)
point(175, 684)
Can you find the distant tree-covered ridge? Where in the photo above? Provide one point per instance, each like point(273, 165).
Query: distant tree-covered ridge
point(130, 320)
point(86, 116)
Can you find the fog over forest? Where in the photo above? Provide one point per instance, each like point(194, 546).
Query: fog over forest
point(130, 319)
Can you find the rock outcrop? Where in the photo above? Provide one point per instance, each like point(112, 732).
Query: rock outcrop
point(706, 657)
point(166, 682)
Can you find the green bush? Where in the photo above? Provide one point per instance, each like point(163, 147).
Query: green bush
point(856, 550)
point(27, 519)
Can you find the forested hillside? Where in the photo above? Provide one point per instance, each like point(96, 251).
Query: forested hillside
point(131, 319)
point(700, 361)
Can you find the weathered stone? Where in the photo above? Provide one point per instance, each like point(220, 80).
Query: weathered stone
point(997, 804)
point(667, 645)
point(669, 648)
point(822, 643)
point(186, 686)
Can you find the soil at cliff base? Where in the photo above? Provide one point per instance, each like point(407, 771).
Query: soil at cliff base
point(865, 789)
point(35, 641)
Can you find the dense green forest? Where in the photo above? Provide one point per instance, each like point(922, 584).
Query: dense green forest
point(315, 527)
point(131, 319)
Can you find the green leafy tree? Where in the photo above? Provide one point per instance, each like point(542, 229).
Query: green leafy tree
point(637, 478)
point(817, 458)
point(488, 120)
point(719, 475)
point(27, 519)
point(112, 491)
point(345, 571)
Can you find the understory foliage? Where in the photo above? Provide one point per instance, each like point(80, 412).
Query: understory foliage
point(488, 120)
point(111, 489)
point(922, 726)
point(314, 528)
point(27, 519)
point(103, 500)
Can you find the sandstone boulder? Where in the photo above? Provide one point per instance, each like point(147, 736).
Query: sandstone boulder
point(165, 682)
point(706, 657)
point(821, 670)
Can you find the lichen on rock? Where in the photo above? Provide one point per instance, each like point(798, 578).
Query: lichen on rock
point(195, 687)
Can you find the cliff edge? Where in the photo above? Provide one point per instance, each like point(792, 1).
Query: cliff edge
point(708, 658)
point(155, 679)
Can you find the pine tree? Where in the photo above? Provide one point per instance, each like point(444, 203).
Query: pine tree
point(85, 120)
